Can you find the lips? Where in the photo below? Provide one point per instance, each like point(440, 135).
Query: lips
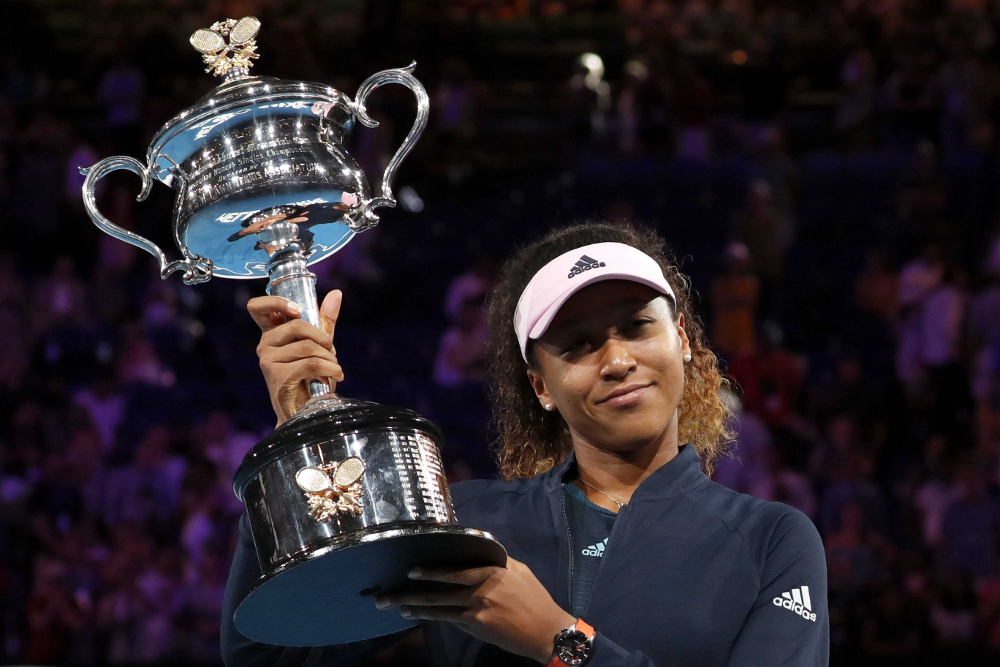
point(623, 391)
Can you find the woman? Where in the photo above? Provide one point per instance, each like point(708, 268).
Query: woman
point(621, 550)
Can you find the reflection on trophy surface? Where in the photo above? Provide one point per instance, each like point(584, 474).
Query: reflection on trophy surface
point(345, 495)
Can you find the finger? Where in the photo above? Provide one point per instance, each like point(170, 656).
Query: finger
point(457, 615)
point(300, 349)
point(329, 311)
point(271, 311)
point(452, 597)
point(312, 368)
point(467, 577)
point(293, 331)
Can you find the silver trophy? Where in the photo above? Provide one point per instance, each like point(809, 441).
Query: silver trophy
point(346, 495)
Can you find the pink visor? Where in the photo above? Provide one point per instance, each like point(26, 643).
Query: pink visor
point(558, 280)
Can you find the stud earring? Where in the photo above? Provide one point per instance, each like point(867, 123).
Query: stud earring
point(687, 357)
point(549, 407)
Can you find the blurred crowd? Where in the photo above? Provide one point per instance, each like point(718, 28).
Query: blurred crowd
point(827, 171)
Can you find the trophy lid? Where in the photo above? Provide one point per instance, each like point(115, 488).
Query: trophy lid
point(239, 94)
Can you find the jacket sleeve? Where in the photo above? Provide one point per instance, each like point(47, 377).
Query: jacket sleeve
point(773, 635)
point(789, 623)
point(239, 651)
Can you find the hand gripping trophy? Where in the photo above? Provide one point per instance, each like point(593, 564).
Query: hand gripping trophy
point(346, 494)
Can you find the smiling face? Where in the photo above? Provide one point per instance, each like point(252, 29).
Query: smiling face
point(612, 364)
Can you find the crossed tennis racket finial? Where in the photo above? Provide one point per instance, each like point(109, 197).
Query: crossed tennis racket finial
point(222, 57)
point(332, 489)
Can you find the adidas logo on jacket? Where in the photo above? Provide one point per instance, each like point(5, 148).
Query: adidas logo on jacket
point(798, 601)
point(595, 549)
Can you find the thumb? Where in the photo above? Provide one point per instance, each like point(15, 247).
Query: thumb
point(329, 311)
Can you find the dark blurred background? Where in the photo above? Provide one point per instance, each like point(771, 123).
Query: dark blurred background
point(826, 171)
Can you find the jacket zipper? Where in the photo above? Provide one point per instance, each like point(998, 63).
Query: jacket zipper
point(614, 528)
point(569, 538)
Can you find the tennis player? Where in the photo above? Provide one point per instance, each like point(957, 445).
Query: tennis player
point(622, 551)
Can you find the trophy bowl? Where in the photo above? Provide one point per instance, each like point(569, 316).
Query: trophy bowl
point(346, 495)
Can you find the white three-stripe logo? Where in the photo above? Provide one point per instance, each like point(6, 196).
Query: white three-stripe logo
point(800, 598)
point(798, 601)
point(596, 549)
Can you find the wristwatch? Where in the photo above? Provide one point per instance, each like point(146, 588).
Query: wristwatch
point(573, 645)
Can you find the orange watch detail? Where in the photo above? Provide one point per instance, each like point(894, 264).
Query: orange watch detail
point(583, 627)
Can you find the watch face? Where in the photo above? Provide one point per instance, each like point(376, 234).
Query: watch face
point(573, 647)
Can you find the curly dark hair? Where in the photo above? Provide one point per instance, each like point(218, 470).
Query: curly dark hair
point(533, 440)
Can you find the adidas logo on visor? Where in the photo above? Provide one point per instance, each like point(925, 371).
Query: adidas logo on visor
point(798, 601)
point(585, 263)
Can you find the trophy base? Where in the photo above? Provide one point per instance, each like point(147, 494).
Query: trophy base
point(327, 595)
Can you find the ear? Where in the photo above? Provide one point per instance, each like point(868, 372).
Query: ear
point(538, 384)
point(685, 343)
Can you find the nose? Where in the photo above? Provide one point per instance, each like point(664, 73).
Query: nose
point(617, 362)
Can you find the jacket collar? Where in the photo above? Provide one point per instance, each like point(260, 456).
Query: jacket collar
point(671, 479)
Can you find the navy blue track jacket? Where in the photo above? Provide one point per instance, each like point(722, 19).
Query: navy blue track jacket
point(694, 574)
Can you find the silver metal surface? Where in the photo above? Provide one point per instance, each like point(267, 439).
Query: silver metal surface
point(403, 482)
point(196, 269)
point(251, 145)
point(404, 77)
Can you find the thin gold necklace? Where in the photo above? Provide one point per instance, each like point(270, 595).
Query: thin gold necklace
point(620, 505)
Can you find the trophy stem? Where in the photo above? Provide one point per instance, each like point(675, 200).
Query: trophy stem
point(291, 279)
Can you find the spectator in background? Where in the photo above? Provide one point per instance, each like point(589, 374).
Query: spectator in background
point(857, 91)
point(34, 209)
point(877, 288)
point(771, 380)
point(782, 484)
point(953, 615)
point(746, 464)
point(767, 234)
point(967, 93)
point(104, 405)
point(122, 91)
point(936, 493)
point(771, 163)
point(455, 120)
point(890, 626)
point(60, 299)
point(139, 363)
point(472, 285)
point(984, 353)
point(971, 526)
point(851, 551)
point(695, 101)
point(148, 489)
point(734, 303)
point(854, 483)
point(921, 202)
point(53, 615)
point(461, 356)
point(918, 279)
point(943, 319)
point(910, 99)
point(629, 106)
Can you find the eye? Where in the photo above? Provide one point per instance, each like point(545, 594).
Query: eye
point(637, 325)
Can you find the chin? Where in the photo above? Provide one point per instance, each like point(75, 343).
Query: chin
point(632, 431)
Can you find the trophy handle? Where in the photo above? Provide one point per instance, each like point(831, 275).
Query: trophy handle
point(363, 217)
point(196, 269)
